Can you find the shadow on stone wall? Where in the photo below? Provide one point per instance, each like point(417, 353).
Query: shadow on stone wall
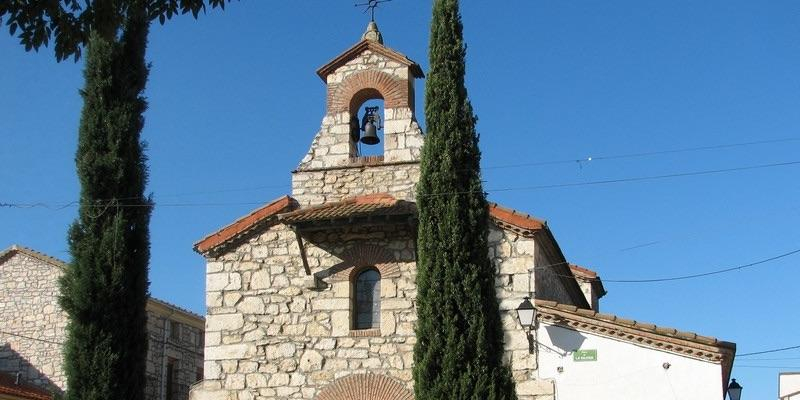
point(12, 362)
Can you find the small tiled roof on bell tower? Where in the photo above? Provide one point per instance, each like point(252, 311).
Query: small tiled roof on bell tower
point(371, 40)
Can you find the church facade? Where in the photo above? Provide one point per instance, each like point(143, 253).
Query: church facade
point(312, 296)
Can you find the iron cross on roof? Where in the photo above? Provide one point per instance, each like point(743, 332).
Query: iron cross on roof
point(371, 5)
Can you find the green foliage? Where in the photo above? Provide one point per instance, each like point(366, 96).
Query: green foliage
point(459, 347)
point(104, 291)
point(68, 23)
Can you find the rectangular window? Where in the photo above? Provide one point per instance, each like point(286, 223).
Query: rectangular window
point(198, 374)
point(172, 374)
point(174, 330)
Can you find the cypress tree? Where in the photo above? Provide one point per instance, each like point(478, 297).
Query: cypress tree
point(105, 290)
point(458, 354)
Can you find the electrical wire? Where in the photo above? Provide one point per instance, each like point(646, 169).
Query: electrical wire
point(59, 343)
point(101, 203)
point(665, 279)
point(704, 274)
point(643, 154)
point(769, 351)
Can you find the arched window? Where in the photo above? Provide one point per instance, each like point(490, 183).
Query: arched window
point(367, 300)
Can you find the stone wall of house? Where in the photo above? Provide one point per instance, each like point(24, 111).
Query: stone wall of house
point(33, 325)
point(185, 349)
point(274, 333)
point(33, 330)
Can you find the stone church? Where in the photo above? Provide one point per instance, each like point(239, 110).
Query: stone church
point(312, 296)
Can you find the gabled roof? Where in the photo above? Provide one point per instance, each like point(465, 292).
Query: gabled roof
point(9, 389)
point(285, 210)
point(259, 217)
point(365, 206)
point(640, 333)
point(515, 221)
point(17, 249)
point(375, 47)
point(587, 275)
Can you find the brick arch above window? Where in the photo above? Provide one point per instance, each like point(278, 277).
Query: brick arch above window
point(366, 85)
point(356, 258)
point(365, 387)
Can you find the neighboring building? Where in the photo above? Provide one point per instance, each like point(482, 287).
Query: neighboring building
point(12, 388)
point(313, 295)
point(789, 386)
point(33, 330)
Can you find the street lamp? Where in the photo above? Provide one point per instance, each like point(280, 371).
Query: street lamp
point(527, 314)
point(734, 390)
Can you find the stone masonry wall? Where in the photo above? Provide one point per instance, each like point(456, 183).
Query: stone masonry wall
point(324, 186)
point(29, 310)
point(273, 333)
point(186, 350)
point(29, 307)
point(331, 169)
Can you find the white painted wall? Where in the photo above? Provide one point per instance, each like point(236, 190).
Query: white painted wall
point(789, 386)
point(623, 370)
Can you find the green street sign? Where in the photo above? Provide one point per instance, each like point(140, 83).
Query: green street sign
point(584, 355)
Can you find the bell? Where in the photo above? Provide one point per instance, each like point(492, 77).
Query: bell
point(370, 134)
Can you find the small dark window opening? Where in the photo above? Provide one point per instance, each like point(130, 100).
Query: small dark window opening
point(171, 384)
point(174, 330)
point(367, 301)
point(198, 376)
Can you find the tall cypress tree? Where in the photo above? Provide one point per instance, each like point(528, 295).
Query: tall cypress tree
point(104, 291)
point(459, 347)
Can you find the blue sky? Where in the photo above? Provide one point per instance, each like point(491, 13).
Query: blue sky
point(235, 102)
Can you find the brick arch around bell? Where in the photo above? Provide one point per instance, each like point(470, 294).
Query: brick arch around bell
point(368, 85)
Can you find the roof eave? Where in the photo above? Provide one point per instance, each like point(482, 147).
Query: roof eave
point(360, 47)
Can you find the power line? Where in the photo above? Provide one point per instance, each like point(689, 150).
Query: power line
point(643, 154)
point(648, 178)
point(666, 279)
point(720, 271)
point(150, 339)
point(769, 351)
point(102, 203)
point(32, 338)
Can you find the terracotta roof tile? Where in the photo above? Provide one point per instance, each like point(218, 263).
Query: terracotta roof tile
point(360, 47)
point(507, 217)
point(660, 337)
point(9, 388)
point(245, 224)
point(359, 206)
point(585, 272)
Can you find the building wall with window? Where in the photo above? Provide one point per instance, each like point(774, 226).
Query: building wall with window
point(175, 351)
point(313, 295)
point(32, 331)
point(287, 313)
